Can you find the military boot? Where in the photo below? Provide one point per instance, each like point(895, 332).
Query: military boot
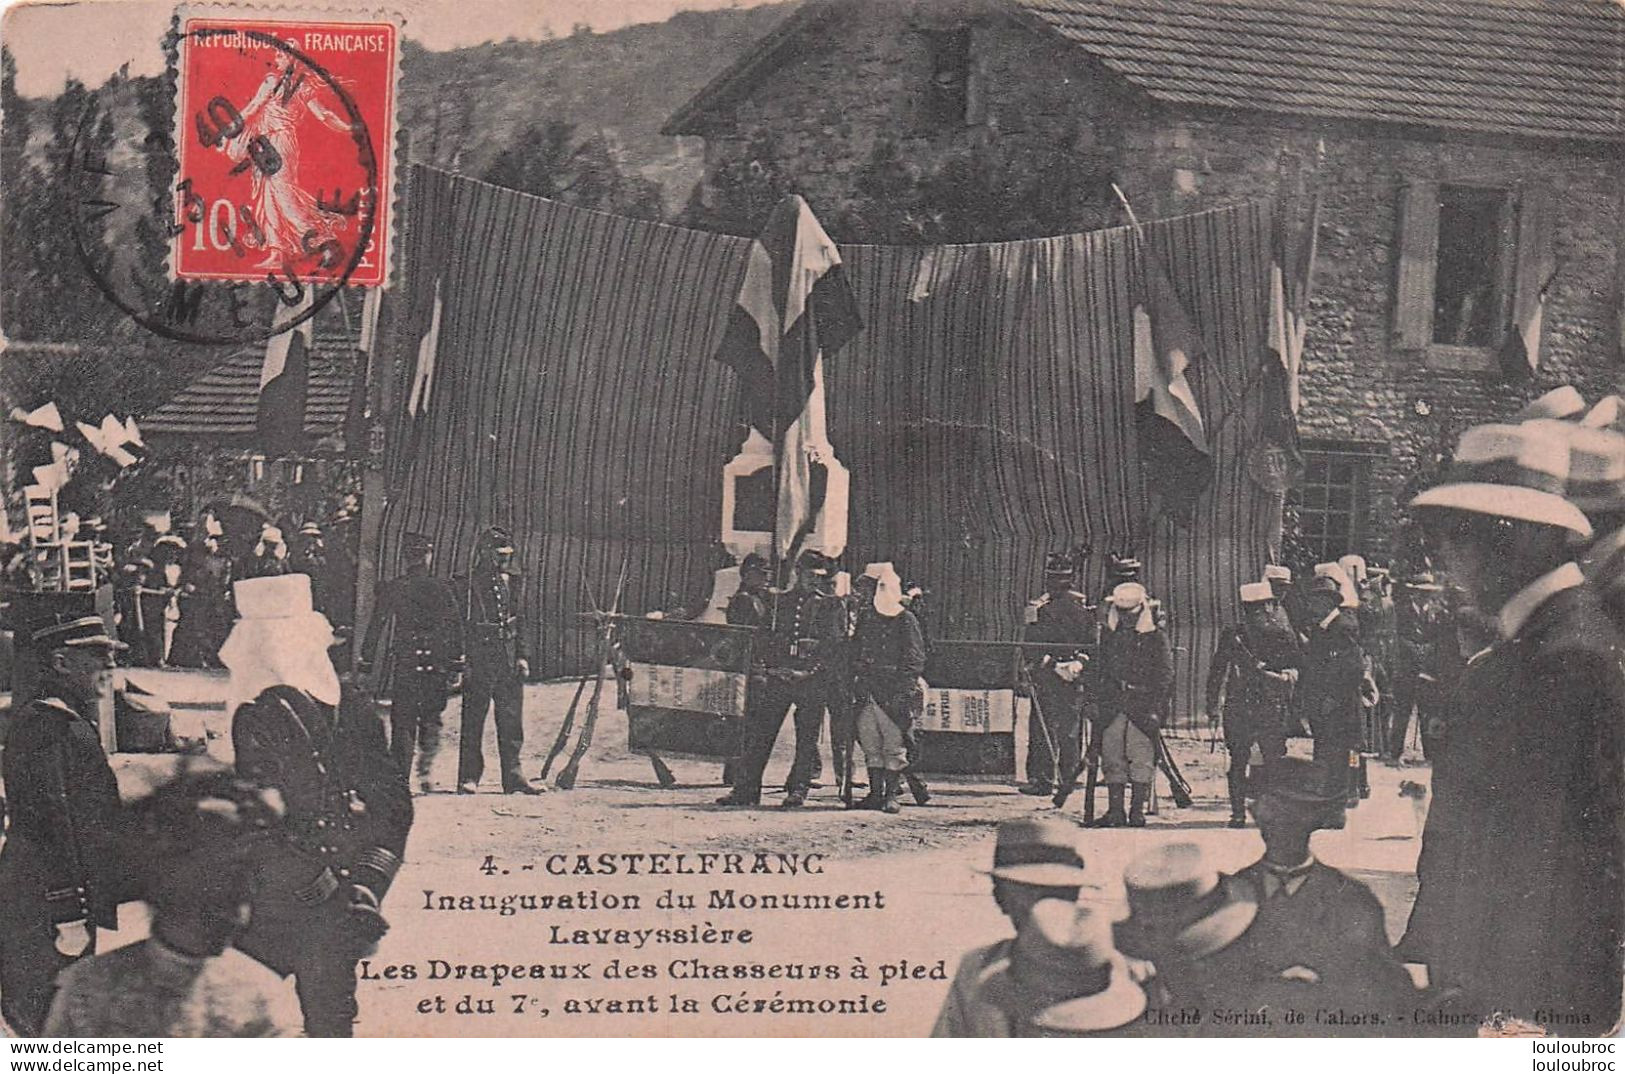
point(1238, 799)
point(917, 787)
point(877, 791)
point(1136, 809)
point(890, 804)
point(1114, 816)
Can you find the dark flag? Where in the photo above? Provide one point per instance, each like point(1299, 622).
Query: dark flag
point(1292, 269)
point(1520, 351)
point(285, 384)
point(1168, 423)
point(795, 308)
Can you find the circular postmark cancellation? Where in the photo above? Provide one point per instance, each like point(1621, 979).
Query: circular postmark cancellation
point(274, 179)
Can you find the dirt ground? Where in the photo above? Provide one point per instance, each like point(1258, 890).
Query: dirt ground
point(925, 861)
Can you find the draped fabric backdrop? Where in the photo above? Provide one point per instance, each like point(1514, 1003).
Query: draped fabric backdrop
point(985, 411)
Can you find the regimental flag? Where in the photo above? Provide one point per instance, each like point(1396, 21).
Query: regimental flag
point(285, 381)
point(1520, 352)
point(1168, 422)
point(795, 309)
point(1292, 269)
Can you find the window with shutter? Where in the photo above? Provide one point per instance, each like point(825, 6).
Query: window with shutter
point(1473, 259)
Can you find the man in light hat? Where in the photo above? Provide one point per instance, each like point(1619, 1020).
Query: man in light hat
point(1034, 859)
point(1596, 485)
point(1062, 622)
point(1063, 978)
point(61, 866)
point(1280, 581)
point(498, 665)
point(1423, 644)
point(1520, 898)
point(888, 658)
point(424, 651)
point(198, 837)
point(1319, 935)
point(1135, 670)
point(319, 888)
point(1185, 920)
point(1330, 675)
point(1251, 675)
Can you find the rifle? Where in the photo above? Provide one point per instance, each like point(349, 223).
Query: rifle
point(1178, 786)
point(565, 729)
point(606, 637)
point(1093, 763)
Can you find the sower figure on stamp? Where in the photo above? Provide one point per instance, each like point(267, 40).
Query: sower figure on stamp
point(60, 865)
point(1319, 937)
point(1520, 900)
point(424, 653)
point(494, 640)
point(1060, 616)
point(888, 658)
point(795, 655)
point(1134, 671)
point(1252, 672)
point(1034, 859)
point(318, 889)
point(1329, 681)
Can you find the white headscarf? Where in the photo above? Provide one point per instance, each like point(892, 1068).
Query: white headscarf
point(889, 595)
point(279, 645)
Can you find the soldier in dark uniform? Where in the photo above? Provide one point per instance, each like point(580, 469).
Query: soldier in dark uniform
point(318, 889)
point(752, 604)
point(1253, 671)
point(1060, 617)
point(494, 639)
point(1329, 681)
point(796, 661)
point(244, 523)
point(1319, 935)
point(424, 653)
point(1134, 673)
point(59, 866)
point(308, 555)
point(1422, 644)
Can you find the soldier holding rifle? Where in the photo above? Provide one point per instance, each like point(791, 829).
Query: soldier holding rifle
point(1135, 668)
point(1253, 672)
point(1060, 616)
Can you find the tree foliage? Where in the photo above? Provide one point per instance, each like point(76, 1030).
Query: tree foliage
point(551, 162)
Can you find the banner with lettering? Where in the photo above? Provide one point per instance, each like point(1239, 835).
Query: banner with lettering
point(687, 686)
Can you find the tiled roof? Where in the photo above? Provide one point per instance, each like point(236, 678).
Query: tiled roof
point(1540, 68)
point(222, 403)
point(1547, 68)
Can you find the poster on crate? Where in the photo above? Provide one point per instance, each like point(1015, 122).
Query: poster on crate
point(686, 686)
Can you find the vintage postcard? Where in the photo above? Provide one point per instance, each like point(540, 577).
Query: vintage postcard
point(837, 518)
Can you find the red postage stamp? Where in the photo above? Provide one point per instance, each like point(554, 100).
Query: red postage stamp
point(285, 133)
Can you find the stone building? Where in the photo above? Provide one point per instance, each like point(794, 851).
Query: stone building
point(1466, 154)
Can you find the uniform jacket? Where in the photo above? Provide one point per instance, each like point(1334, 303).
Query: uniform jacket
point(1134, 671)
point(1329, 676)
point(349, 814)
point(808, 636)
point(493, 620)
point(748, 609)
point(62, 847)
point(1323, 946)
point(1237, 671)
point(427, 636)
point(1519, 894)
point(888, 655)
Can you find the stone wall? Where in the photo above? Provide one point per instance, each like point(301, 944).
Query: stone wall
point(861, 80)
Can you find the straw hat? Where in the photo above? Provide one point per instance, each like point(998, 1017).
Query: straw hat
point(1517, 472)
point(1178, 909)
point(1560, 403)
point(1062, 976)
point(1039, 851)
